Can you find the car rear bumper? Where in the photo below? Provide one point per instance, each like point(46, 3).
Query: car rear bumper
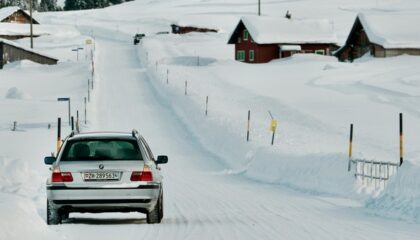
point(86, 199)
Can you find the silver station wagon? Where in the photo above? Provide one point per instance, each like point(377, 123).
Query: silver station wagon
point(105, 172)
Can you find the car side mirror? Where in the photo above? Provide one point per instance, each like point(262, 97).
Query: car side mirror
point(49, 160)
point(162, 159)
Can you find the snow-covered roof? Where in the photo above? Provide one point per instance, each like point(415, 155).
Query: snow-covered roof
point(267, 30)
point(392, 30)
point(207, 21)
point(16, 29)
point(24, 48)
point(7, 11)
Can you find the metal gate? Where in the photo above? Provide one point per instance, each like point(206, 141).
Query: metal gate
point(373, 173)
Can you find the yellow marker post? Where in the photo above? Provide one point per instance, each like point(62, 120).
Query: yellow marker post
point(350, 146)
point(273, 127)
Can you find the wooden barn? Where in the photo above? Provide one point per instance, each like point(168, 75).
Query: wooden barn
point(11, 52)
point(262, 39)
point(15, 15)
point(177, 29)
point(382, 35)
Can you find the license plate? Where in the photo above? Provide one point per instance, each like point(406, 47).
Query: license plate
point(101, 176)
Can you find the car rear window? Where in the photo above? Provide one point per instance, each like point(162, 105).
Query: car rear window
point(101, 149)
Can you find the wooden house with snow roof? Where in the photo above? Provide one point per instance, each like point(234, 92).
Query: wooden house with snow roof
point(12, 52)
point(260, 39)
point(15, 15)
point(382, 35)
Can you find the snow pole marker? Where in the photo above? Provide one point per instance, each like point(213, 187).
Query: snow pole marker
point(72, 123)
point(350, 147)
point(186, 86)
point(273, 127)
point(77, 122)
point(167, 76)
point(88, 89)
point(85, 112)
point(58, 134)
point(248, 125)
point(207, 103)
point(401, 139)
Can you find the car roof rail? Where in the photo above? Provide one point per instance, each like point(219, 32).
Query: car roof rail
point(135, 133)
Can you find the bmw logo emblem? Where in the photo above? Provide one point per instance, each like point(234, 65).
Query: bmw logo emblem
point(101, 166)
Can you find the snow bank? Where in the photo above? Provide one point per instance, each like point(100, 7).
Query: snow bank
point(401, 199)
point(20, 219)
point(18, 196)
point(15, 93)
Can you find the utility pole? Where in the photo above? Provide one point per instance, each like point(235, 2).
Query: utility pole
point(31, 28)
point(259, 7)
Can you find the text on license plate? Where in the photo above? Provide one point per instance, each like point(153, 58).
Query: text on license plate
point(95, 176)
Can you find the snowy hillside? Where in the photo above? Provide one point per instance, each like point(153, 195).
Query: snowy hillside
point(218, 185)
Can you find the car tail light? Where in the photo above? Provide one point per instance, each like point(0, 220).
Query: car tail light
point(145, 176)
point(58, 176)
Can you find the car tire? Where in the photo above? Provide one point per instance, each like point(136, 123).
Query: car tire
point(161, 207)
point(154, 216)
point(53, 216)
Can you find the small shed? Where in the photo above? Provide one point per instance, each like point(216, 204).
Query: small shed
point(382, 35)
point(260, 39)
point(15, 15)
point(182, 29)
point(11, 52)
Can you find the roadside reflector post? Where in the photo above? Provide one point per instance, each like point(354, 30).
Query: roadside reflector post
point(248, 125)
point(88, 89)
point(207, 104)
point(85, 112)
point(167, 76)
point(58, 135)
point(401, 139)
point(14, 126)
point(77, 122)
point(350, 146)
point(66, 99)
point(72, 123)
point(186, 85)
point(273, 127)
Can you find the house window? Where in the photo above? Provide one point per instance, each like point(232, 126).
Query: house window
point(320, 52)
point(246, 35)
point(240, 55)
point(239, 40)
point(251, 55)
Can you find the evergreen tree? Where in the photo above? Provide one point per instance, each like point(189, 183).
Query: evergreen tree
point(48, 5)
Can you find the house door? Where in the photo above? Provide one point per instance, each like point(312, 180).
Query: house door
point(285, 54)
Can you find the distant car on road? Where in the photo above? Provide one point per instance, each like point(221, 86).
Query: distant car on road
point(138, 37)
point(105, 172)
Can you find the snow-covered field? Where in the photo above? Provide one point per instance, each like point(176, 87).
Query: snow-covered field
point(218, 186)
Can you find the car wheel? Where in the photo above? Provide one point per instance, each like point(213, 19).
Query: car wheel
point(53, 216)
point(161, 207)
point(154, 215)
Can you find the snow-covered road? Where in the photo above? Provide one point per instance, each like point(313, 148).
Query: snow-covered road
point(203, 201)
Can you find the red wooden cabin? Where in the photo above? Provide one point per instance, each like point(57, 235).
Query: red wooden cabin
point(262, 39)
